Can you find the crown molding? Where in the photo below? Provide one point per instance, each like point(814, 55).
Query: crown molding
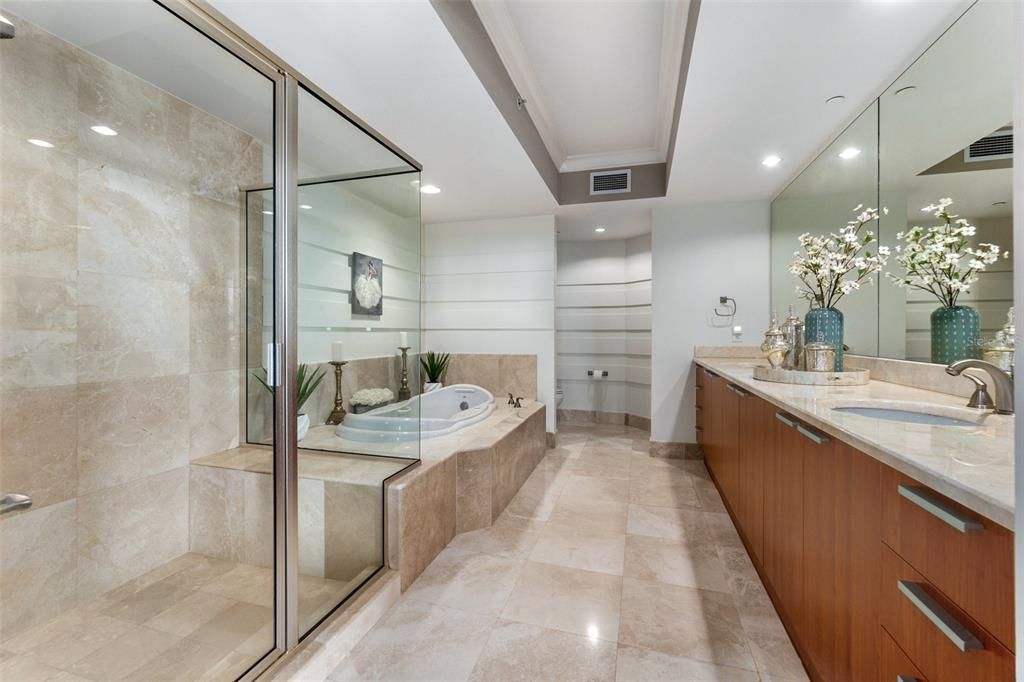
point(501, 29)
point(603, 160)
point(673, 42)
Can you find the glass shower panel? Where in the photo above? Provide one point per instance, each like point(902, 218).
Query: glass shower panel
point(358, 312)
point(147, 549)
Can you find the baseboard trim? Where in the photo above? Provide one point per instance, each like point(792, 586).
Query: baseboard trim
point(669, 450)
point(566, 416)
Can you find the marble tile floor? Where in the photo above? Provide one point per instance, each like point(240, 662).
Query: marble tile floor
point(193, 618)
point(607, 565)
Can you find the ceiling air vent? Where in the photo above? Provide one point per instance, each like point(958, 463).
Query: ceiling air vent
point(610, 182)
point(998, 145)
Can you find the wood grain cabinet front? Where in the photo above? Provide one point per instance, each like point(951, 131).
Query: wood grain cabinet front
point(893, 664)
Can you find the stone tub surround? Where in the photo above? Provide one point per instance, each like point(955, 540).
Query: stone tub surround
point(120, 307)
point(499, 373)
point(971, 465)
point(463, 483)
point(340, 509)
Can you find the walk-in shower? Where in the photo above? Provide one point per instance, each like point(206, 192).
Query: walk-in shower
point(178, 217)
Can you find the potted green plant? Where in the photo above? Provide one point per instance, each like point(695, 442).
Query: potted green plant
point(434, 365)
point(941, 261)
point(307, 381)
point(830, 267)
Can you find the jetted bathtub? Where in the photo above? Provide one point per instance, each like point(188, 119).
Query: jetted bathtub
point(429, 415)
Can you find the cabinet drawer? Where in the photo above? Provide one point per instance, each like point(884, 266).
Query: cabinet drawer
point(967, 557)
point(894, 666)
point(944, 643)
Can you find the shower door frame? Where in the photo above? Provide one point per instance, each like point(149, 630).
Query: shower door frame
point(202, 17)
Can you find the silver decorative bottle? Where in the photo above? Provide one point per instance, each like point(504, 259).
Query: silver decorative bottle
point(793, 329)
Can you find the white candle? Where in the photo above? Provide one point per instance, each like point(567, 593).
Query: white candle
point(337, 351)
point(403, 339)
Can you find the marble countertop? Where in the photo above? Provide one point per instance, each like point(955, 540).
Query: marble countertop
point(970, 464)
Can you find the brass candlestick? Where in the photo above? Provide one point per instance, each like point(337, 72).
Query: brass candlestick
point(403, 391)
point(338, 413)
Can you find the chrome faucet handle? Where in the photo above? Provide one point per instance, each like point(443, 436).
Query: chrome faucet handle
point(980, 398)
point(1002, 382)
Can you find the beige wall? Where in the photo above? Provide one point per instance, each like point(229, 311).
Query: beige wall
point(120, 316)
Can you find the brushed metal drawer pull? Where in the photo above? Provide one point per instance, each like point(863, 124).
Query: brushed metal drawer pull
point(818, 438)
point(939, 509)
point(784, 419)
point(737, 390)
point(960, 636)
point(906, 678)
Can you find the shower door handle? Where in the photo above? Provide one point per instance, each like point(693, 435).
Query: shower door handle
point(14, 501)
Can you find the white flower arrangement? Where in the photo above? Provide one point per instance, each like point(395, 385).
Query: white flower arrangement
point(832, 266)
point(940, 259)
point(372, 396)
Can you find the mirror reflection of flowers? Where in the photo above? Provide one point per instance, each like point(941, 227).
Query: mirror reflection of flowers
point(834, 265)
point(941, 259)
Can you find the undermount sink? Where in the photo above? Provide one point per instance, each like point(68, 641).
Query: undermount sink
point(913, 413)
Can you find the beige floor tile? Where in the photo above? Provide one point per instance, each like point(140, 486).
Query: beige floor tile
point(775, 656)
point(521, 652)
point(190, 613)
point(644, 665)
point(687, 564)
point(666, 522)
point(510, 537)
point(79, 641)
point(69, 621)
point(722, 530)
point(580, 547)
point(251, 584)
point(707, 493)
point(417, 641)
point(593, 488)
point(582, 512)
point(567, 599)
point(28, 669)
point(149, 601)
point(123, 656)
point(538, 495)
point(185, 661)
point(602, 463)
point(477, 583)
point(232, 627)
point(682, 621)
point(654, 492)
point(643, 465)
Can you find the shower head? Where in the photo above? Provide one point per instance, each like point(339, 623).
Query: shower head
point(6, 28)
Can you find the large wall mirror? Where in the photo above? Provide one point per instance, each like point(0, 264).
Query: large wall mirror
point(941, 131)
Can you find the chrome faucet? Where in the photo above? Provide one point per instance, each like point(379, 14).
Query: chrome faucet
point(1002, 382)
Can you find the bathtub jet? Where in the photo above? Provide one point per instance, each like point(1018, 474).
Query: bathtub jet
point(430, 415)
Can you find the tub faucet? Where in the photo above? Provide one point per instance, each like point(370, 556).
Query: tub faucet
point(511, 400)
point(1002, 381)
point(518, 402)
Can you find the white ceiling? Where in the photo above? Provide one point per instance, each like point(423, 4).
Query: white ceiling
point(619, 220)
point(759, 77)
point(395, 65)
point(599, 78)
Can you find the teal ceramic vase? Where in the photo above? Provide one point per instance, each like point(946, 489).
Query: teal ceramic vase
point(955, 332)
point(825, 325)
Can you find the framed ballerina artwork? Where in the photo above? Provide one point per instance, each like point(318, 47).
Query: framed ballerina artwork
point(367, 285)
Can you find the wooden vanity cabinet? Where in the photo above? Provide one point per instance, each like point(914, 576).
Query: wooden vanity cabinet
point(813, 513)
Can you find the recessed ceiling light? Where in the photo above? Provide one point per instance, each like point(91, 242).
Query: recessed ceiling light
point(771, 161)
point(849, 153)
point(835, 99)
point(103, 130)
point(40, 143)
point(905, 89)
point(599, 230)
point(305, 206)
point(268, 213)
point(430, 189)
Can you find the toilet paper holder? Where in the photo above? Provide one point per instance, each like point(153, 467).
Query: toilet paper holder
point(597, 372)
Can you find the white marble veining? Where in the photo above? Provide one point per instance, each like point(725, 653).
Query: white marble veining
point(970, 464)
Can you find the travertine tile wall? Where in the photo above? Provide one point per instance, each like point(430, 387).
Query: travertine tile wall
point(120, 316)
